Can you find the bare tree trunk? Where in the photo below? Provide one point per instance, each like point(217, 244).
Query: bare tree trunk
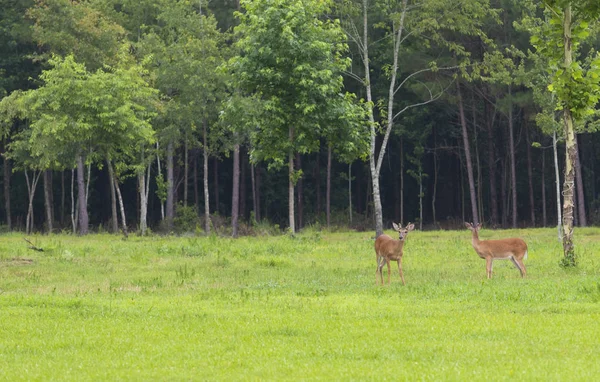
point(318, 182)
point(122, 208)
point(557, 184)
point(465, 135)
point(300, 185)
point(350, 192)
point(62, 198)
point(185, 171)
point(258, 176)
point(513, 168)
point(579, 187)
point(254, 200)
point(205, 179)
point(48, 200)
point(328, 195)
point(544, 215)
point(530, 177)
point(435, 180)
point(216, 183)
point(170, 208)
point(7, 174)
point(235, 193)
point(31, 187)
point(243, 183)
point(401, 180)
point(492, 167)
point(159, 176)
point(144, 187)
point(570, 157)
point(113, 198)
point(196, 195)
point(73, 217)
point(291, 217)
point(81, 197)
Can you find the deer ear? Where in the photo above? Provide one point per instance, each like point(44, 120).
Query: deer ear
point(468, 225)
point(396, 226)
point(479, 225)
point(410, 227)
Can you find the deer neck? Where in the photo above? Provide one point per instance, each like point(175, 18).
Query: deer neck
point(475, 240)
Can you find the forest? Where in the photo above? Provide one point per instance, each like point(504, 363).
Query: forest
point(237, 116)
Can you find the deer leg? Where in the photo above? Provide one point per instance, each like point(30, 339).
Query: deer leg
point(520, 266)
point(389, 271)
point(488, 266)
point(400, 271)
point(378, 271)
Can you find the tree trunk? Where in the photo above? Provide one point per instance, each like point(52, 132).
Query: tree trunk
point(557, 184)
point(48, 201)
point(544, 212)
point(243, 183)
point(530, 178)
point(291, 217)
point(350, 192)
point(401, 180)
point(435, 180)
point(7, 173)
point(570, 157)
point(318, 182)
point(31, 187)
point(73, 217)
point(579, 187)
point(254, 200)
point(235, 193)
point(300, 185)
point(513, 168)
point(328, 195)
point(170, 203)
point(144, 187)
point(465, 136)
point(113, 198)
point(185, 171)
point(492, 167)
point(122, 208)
point(81, 197)
point(205, 179)
point(376, 168)
point(196, 195)
point(258, 176)
point(62, 198)
point(216, 184)
point(159, 176)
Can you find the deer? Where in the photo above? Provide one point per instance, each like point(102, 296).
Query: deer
point(388, 249)
point(514, 249)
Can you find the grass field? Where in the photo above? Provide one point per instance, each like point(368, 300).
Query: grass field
point(301, 308)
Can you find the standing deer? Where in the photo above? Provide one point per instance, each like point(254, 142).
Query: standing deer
point(514, 249)
point(388, 249)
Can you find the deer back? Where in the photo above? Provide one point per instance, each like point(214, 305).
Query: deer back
point(501, 248)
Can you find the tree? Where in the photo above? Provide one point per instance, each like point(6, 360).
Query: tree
point(292, 58)
point(575, 80)
point(430, 23)
point(93, 115)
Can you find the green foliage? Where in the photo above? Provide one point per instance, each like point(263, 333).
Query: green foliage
point(292, 59)
point(106, 112)
point(305, 306)
point(577, 87)
point(186, 219)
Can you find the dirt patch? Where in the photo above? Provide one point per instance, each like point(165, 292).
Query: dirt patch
point(18, 261)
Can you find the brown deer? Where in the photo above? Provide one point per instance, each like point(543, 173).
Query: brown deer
point(388, 249)
point(514, 249)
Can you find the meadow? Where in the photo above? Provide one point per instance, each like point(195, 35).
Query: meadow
point(295, 308)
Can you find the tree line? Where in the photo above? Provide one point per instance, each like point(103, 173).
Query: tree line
point(171, 115)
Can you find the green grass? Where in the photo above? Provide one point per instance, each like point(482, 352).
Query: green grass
point(303, 308)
